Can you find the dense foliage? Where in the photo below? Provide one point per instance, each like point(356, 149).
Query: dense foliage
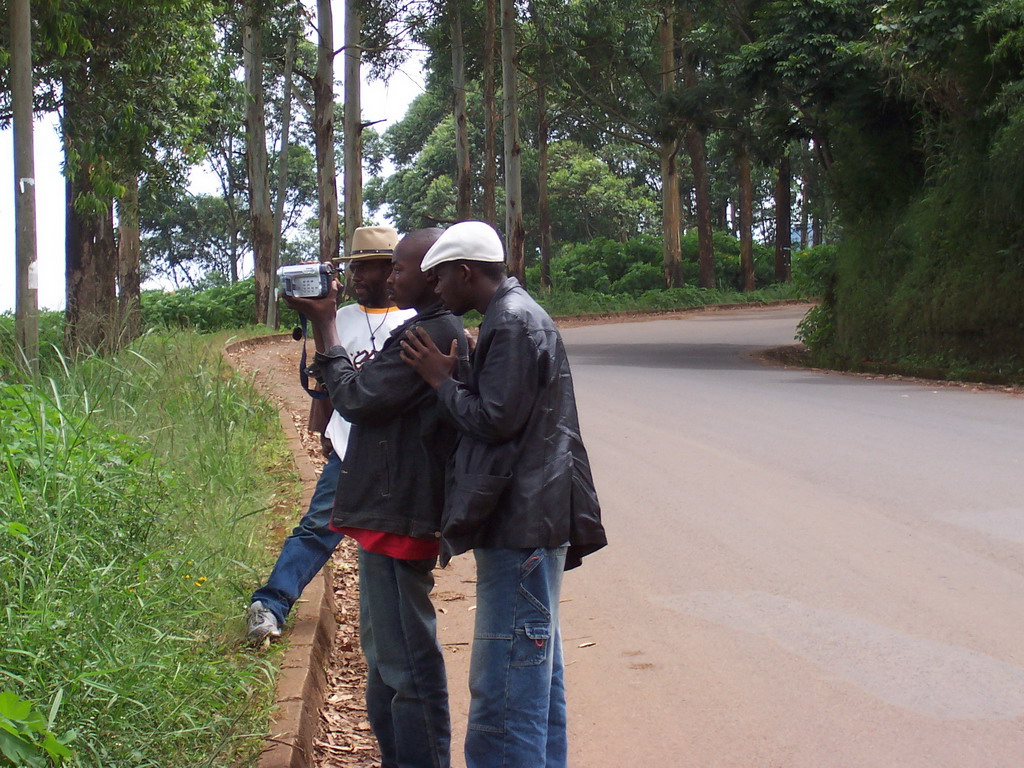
point(927, 174)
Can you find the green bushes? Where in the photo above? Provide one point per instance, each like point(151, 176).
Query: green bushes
point(216, 308)
point(814, 270)
point(128, 545)
point(635, 266)
point(728, 272)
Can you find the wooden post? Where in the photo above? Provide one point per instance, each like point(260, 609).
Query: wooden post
point(26, 311)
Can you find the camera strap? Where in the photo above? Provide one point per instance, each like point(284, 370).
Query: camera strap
point(303, 376)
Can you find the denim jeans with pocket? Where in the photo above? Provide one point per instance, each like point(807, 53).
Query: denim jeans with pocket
point(305, 551)
point(406, 686)
point(517, 716)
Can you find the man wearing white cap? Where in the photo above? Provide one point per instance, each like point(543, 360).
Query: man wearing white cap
point(519, 493)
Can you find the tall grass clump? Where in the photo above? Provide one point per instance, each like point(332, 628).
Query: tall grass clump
point(129, 540)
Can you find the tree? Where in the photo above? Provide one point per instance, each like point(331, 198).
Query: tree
point(464, 202)
point(282, 173)
point(133, 96)
point(353, 172)
point(261, 217)
point(627, 91)
point(514, 231)
point(323, 131)
point(490, 171)
point(668, 153)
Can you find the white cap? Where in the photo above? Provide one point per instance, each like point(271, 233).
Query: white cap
point(469, 240)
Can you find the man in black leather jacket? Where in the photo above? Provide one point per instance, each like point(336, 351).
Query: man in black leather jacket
point(519, 493)
point(389, 499)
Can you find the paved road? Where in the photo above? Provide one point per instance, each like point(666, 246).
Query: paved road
point(807, 570)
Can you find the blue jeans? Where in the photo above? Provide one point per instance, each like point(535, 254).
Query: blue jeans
point(517, 716)
point(305, 551)
point(406, 686)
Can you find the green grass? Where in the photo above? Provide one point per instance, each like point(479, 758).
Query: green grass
point(133, 521)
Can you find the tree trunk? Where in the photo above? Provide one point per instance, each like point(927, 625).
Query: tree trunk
point(256, 160)
point(783, 221)
point(694, 141)
point(804, 214)
point(721, 215)
point(353, 123)
point(746, 219)
point(128, 250)
point(514, 232)
point(90, 269)
point(282, 178)
point(464, 188)
point(490, 211)
point(543, 207)
point(693, 138)
point(323, 135)
point(233, 277)
point(668, 151)
point(542, 77)
point(89, 279)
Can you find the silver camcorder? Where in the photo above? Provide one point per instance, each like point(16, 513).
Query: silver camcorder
point(306, 281)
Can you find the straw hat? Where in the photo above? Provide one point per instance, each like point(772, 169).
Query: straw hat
point(372, 243)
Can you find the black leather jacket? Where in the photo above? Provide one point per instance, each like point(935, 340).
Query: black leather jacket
point(392, 476)
point(520, 477)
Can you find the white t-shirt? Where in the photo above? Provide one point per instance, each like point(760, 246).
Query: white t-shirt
point(363, 331)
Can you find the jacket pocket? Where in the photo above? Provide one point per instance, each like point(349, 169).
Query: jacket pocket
point(471, 500)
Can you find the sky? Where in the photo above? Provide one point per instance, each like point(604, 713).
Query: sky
point(380, 101)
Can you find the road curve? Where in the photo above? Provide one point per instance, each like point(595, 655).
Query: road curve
point(806, 570)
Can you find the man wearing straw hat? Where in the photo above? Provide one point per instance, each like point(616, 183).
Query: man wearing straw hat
point(389, 499)
point(362, 328)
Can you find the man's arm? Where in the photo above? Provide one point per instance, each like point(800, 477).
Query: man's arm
point(379, 391)
point(507, 383)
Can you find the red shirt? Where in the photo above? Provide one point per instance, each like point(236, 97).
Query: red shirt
point(392, 544)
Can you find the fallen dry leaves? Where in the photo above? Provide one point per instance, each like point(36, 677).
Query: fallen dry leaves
point(345, 739)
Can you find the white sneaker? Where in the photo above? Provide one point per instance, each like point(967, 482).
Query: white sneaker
point(260, 624)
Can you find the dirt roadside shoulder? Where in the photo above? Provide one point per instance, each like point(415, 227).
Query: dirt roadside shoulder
point(319, 716)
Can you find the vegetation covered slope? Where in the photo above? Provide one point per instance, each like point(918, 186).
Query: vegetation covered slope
point(129, 541)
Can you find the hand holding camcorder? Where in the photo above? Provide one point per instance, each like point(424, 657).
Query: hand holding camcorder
point(306, 281)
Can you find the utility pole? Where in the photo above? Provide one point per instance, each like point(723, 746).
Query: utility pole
point(26, 308)
point(353, 172)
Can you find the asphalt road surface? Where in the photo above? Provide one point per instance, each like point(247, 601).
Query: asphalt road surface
point(806, 570)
